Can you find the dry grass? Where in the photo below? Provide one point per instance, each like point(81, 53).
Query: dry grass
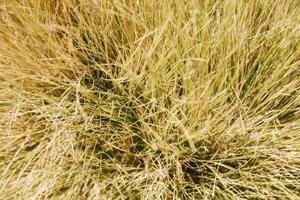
point(124, 99)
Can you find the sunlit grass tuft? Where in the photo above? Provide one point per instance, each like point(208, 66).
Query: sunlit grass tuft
point(126, 99)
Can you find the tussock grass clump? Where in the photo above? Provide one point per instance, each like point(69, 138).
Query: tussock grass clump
point(124, 99)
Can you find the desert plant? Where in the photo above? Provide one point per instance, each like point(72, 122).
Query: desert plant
point(121, 99)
